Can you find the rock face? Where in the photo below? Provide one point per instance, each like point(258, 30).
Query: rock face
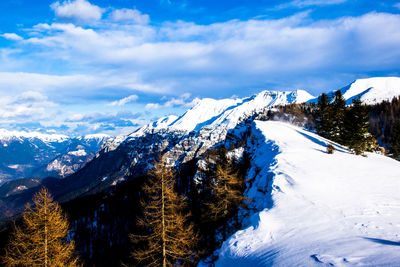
point(24, 155)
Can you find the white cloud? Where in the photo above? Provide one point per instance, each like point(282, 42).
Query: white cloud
point(150, 106)
point(124, 101)
point(79, 10)
point(31, 105)
point(229, 48)
point(12, 36)
point(173, 58)
point(217, 60)
point(181, 101)
point(306, 3)
point(75, 86)
point(191, 103)
point(31, 96)
point(130, 15)
point(397, 5)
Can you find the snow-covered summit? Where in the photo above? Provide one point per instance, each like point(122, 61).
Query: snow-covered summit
point(372, 90)
point(316, 209)
point(161, 123)
point(228, 112)
point(224, 113)
point(6, 135)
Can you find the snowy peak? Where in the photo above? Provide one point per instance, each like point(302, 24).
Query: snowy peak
point(161, 123)
point(372, 90)
point(228, 112)
point(6, 135)
point(225, 113)
point(204, 111)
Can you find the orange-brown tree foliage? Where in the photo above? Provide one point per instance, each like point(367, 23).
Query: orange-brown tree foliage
point(41, 239)
point(170, 239)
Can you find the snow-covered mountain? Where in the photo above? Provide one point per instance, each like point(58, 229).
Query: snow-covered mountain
point(33, 154)
point(224, 113)
point(184, 139)
point(316, 209)
point(372, 90)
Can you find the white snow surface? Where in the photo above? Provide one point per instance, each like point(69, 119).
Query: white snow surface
point(78, 153)
point(161, 123)
point(9, 135)
point(317, 209)
point(373, 90)
point(97, 136)
point(227, 112)
point(224, 113)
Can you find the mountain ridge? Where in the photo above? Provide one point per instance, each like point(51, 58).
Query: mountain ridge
point(315, 208)
point(181, 139)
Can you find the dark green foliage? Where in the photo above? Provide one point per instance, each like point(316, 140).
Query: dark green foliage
point(356, 132)
point(324, 122)
point(338, 110)
point(344, 125)
point(330, 117)
point(383, 120)
point(395, 140)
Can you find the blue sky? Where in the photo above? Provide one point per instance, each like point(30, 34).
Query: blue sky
point(81, 66)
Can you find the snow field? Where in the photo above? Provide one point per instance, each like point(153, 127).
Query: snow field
point(317, 209)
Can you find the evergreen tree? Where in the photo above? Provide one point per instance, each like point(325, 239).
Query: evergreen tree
point(356, 128)
point(338, 113)
point(42, 239)
point(395, 139)
point(169, 238)
point(323, 122)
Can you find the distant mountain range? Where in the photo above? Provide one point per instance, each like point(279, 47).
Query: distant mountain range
point(208, 124)
point(40, 155)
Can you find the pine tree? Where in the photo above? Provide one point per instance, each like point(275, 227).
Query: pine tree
point(395, 139)
point(170, 239)
point(42, 239)
point(356, 128)
point(323, 122)
point(338, 113)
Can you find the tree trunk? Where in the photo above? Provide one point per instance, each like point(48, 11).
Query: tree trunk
point(45, 232)
point(163, 219)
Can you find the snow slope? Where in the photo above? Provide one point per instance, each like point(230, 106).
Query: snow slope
point(317, 209)
point(372, 90)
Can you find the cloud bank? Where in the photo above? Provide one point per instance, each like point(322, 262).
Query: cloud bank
point(107, 57)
